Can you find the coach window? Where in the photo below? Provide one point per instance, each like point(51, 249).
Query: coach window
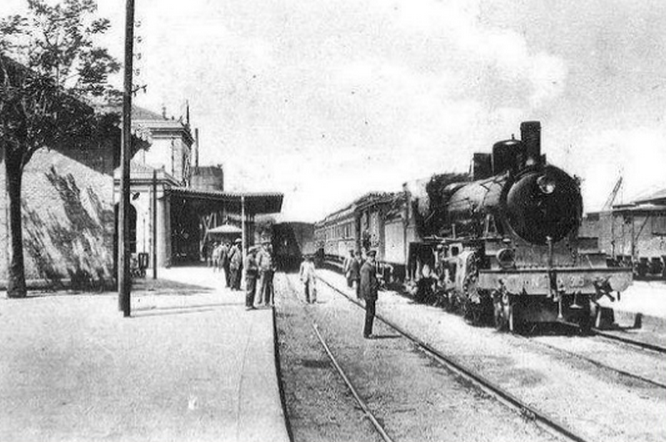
point(659, 225)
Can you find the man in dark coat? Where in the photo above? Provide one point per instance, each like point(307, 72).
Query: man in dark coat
point(251, 274)
point(369, 287)
point(224, 262)
point(236, 265)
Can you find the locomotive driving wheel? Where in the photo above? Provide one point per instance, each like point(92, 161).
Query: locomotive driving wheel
point(472, 306)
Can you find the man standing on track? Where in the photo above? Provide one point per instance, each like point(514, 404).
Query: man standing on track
point(369, 287)
point(355, 274)
point(346, 267)
point(309, 279)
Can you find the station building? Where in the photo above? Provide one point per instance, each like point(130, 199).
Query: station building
point(176, 203)
point(633, 234)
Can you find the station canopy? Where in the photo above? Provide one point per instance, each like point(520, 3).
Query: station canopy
point(226, 229)
point(206, 201)
point(655, 198)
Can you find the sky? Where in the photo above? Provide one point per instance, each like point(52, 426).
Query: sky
point(325, 100)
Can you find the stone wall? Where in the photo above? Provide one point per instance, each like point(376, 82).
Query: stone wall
point(68, 218)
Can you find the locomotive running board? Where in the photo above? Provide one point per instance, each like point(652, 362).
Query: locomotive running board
point(569, 280)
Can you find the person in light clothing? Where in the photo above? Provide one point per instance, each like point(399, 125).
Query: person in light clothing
point(309, 279)
point(266, 272)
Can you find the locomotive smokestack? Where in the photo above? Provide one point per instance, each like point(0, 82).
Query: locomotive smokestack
point(530, 135)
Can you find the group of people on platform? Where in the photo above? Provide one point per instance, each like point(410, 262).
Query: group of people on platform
point(227, 257)
point(259, 268)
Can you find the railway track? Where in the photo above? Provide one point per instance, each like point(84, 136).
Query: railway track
point(597, 363)
point(357, 397)
point(623, 339)
point(629, 341)
point(532, 413)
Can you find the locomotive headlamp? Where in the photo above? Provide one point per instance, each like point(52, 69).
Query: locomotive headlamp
point(506, 258)
point(546, 184)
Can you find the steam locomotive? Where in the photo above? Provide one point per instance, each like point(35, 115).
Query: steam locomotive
point(513, 235)
point(502, 243)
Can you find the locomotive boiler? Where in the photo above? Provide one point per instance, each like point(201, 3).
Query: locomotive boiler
point(505, 241)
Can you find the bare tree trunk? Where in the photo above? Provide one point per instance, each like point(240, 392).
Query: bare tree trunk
point(16, 287)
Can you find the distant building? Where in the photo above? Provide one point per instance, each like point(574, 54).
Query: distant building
point(190, 198)
point(633, 234)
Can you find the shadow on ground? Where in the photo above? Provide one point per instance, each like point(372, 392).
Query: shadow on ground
point(153, 287)
point(167, 287)
point(183, 309)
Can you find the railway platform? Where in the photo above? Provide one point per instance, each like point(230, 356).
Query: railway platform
point(191, 364)
point(642, 305)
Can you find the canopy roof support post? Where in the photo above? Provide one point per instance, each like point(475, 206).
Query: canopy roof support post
point(244, 235)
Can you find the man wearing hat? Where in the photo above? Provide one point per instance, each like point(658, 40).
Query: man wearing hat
point(369, 287)
point(236, 264)
point(251, 274)
point(224, 262)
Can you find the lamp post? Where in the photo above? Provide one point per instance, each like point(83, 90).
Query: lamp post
point(124, 281)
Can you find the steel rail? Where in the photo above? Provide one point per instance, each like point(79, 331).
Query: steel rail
point(612, 337)
point(366, 410)
point(597, 363)
point(477, 379)
point(642, 345)
point(360, 401)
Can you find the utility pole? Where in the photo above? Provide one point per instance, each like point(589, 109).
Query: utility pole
point(124, 281)
point(154, 224)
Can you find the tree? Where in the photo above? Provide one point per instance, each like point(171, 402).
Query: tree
point(50, 70)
